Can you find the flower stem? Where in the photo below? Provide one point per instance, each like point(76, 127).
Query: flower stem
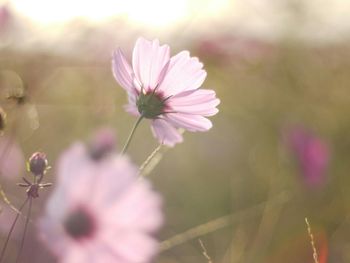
point(131, 134)
point(25, 229)
point(11, 229)
point(152, 160)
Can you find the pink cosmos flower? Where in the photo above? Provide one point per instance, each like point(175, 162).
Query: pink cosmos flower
point(313, 155)
point(165, 90)
point(99, 211)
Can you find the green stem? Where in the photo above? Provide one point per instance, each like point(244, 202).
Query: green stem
point(131, 134)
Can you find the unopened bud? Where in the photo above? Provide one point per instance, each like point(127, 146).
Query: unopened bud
point(38, 163)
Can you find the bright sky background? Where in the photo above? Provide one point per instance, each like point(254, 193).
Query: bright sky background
point(320, 20)
point(157, 13)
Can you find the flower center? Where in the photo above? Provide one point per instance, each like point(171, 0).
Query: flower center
point(150, 105)
point(79, 224)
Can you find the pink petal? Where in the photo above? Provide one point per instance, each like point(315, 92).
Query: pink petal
point(184, 73)
point(138, 208)
point(189, 122)
point(200, 101)
point(51, 232)
point(122, 71)
point(102, 251)
point(133, 247)
point(131, 106)
point(149, 62)
point(75, 255)
point(106, 187)
point(165, 132)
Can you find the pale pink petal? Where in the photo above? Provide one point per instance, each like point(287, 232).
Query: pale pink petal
point(184, 73)
point(166, 133)
point(104, 252)
point(133, 247)
point(76, 167)
point(108, 188)
point(189, 122)
point(52, 233)
point(144, 216)
point(131, 107)
point(199, 101)
point(122, 71)
point(148, 61)
point(76, 255)
point(73, 158)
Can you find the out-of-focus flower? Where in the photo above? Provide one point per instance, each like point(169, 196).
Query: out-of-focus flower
point(12, 161)
point(4, 17)
point(313, 155)
point(99, 211)
point(165, 90)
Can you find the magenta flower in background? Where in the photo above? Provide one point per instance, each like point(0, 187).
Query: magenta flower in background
point(100, 211)
point(165, 89)
point(313, 155)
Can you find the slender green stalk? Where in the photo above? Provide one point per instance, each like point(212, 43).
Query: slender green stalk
point(221, 222)
point(149, 159)
point(131, 134)
point(25, 229)
point(11, 229)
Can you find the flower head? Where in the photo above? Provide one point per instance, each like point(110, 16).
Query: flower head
point(312, 154)
point(165, 89)
point(99, 211)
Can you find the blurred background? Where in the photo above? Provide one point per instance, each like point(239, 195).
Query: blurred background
point(279, 148)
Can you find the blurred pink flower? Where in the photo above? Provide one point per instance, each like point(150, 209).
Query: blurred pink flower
point(12, 162)
point(4, 17)
point(99, 211)
point(313, 155)
point(165, 90)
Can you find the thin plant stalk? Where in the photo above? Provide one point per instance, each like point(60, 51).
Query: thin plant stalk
point(2, 192)
point(221, 222)
point(312, 241)
point(131, 134)
point(11, 230)
point(25, 229)
point(149, 159)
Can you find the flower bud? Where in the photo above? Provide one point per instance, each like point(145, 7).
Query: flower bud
point(38, 163)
